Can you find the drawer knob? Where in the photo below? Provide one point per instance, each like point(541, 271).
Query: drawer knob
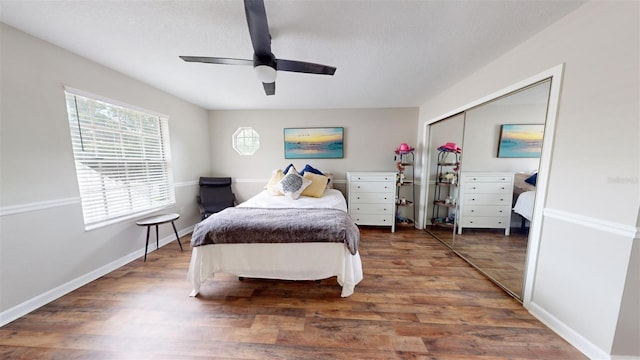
point(473, 211)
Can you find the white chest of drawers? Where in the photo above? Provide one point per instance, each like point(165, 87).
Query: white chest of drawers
point(371, 198)
point(485, 200)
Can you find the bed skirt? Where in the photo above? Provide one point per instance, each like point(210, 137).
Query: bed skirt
point(290, 261)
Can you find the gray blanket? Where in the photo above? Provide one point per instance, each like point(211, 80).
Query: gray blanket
point(278, 225)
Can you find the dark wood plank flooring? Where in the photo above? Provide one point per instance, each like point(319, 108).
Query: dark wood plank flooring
point(501, 257)
point(418, 300)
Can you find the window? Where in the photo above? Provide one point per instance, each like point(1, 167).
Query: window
point(122, 158)
point(246, 141)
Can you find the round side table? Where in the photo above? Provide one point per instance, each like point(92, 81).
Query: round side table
point(157, 220)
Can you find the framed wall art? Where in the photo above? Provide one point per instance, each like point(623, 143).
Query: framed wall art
point(314, 143)
point(520, 140)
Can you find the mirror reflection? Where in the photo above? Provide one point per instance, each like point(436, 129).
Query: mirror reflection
point(441, 212)
point(489, 197)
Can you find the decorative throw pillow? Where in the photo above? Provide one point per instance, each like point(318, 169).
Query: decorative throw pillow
point(318, 184)
point(329, 180)
point(532, 179)
point(276, 176)
point(311, 169)
point(292, 185)
point(289, 168)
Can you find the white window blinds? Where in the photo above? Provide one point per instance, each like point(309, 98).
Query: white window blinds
point(122, 158)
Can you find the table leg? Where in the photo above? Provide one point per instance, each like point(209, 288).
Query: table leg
point(157, 238)
point(177, 237)
point(146, 244)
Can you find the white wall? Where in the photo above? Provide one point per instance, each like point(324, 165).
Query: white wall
point(483, 124)
point(592, 203)
point(45, 250)
point(370, 138)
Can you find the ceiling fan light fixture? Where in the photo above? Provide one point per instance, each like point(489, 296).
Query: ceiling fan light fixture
point(265, 73)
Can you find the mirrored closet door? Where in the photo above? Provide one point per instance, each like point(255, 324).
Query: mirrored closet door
point(500, 145)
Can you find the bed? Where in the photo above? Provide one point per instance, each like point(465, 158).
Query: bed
point(524, 196)
point(301, 259)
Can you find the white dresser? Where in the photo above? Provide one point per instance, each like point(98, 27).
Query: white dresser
point(485, 200)
point(371, 197)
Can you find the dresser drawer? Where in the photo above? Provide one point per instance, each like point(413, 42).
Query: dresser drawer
point(486, 210)
point(367, 219)
point(487, 199)
point(488, 178)
point(373, 186)
point(485, 221)
point(373, 177)
point(364, 198)
point(377, 209)
point(488, 187)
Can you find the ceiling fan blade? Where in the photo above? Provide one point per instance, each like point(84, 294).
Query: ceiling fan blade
point(258, 26)
point(217, 60)
point(269, 88)
point(304, 67)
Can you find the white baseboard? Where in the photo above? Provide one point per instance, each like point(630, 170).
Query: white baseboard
point(55, 293)
point(571, 336)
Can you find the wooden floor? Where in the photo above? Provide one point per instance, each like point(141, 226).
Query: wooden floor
point(418, 300)
point(501, 257)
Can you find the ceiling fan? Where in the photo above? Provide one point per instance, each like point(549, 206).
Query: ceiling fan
point(264, 62)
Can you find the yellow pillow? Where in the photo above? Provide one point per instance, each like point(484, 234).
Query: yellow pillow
point(318, 184)
point(275, 179)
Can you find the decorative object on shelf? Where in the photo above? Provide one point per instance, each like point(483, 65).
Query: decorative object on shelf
point(450, 147)
point(404, 148)
point(450, 177)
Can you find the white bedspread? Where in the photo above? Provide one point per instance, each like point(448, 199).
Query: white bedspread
point(299, 261)
point(524, 204)
point(332, 199)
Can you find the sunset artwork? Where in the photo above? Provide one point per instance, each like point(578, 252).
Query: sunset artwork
point(521, 141)
point(313, 143)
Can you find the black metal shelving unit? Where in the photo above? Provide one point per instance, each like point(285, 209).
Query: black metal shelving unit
point(444, 190)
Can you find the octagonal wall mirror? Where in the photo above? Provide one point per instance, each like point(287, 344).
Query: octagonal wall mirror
point(246, 141)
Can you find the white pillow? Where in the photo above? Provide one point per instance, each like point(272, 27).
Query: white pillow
point(292, 185)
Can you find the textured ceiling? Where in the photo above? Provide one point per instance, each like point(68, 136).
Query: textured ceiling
point(388, 53)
